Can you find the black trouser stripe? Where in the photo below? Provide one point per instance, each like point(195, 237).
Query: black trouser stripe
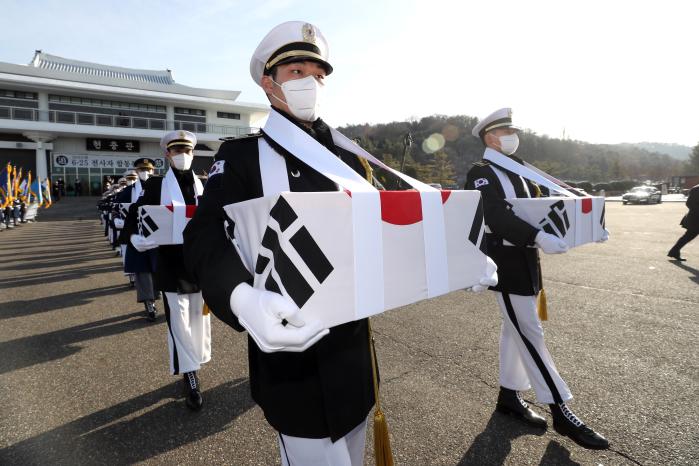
point(311, 254)
point(281, 438)
point(175, 361)
point(532, 351)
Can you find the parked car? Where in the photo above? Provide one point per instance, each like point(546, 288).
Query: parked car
point(642, 195)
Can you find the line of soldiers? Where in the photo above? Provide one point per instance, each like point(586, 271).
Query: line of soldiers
point(316, 386)
point(16, 213)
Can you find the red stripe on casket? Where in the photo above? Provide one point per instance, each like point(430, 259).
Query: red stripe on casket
point(586, 205)
point(189, 212)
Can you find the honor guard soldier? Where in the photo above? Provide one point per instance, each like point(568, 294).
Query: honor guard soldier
point(140, 264)
point(314, 385)
point(513, 244)
point(189, 326)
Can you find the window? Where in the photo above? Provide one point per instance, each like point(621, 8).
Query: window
point(230, 116)
point(190, 111)
point(18, 94)
point(63, 99)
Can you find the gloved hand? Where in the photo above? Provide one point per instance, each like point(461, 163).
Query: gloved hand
point(118, 223)
point(141, 243)
point(261, 313)
point(550, 244)
point(605, 236)
point(490, 278)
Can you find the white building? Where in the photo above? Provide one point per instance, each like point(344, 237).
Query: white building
point(66, 118)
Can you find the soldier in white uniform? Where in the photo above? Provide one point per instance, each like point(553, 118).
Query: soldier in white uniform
point(189, 325)
point(513, 244)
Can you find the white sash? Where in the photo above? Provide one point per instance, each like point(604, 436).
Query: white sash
point(170, 193)
point(366, 207)
point(136, 191)
point(528, 171)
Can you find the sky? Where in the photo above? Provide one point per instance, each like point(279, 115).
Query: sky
point(598, 71)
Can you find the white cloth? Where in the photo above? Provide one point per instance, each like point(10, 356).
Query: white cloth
point(136, 191)
point(346, 451)
point(189, 332)
point(525, 361)
point(171, 194)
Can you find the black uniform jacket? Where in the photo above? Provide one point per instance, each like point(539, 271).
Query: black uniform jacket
point(691, 220)
point(170, 273)
point(325, 391)
point(518, 265)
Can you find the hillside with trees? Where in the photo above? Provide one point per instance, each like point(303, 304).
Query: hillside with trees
point(442, 150)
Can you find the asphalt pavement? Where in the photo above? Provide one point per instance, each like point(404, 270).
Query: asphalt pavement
point(84, 377)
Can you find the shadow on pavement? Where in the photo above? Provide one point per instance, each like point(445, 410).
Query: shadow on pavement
point(557, 454)
point(36, 349)
point(61, 275)
point(689, 269)
point(105, 438)
point(494, 444)
point(23, 308)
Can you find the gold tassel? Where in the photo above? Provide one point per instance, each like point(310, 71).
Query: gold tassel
point(205, 310)
point(541, 306)
point(382, 441)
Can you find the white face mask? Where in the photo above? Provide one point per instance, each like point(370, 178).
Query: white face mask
point(129, 182)
point(509, 143)
point(143, 175)
point(181, 161)
point(303, 97)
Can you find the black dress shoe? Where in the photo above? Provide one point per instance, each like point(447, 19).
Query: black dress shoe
point(566, 423)
point(676, 256)
point(193, 400)
point(511, 402)
point(151, 311)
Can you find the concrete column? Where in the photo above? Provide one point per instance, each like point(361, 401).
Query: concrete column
point(42, 143)
point(43, 106)
point(170, 116)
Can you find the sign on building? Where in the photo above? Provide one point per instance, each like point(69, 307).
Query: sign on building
point(100, 161)
point(112, 145)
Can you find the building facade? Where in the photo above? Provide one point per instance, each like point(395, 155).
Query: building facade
point(70, 119)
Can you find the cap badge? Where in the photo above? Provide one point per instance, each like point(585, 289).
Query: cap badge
point(183, 135)
point(308, 33)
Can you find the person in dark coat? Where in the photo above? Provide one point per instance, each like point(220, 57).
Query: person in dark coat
point(690, 222)
point(314, 385)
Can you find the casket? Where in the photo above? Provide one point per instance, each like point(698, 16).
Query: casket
point(307, 247)
point(576, 220)
point(157, 222)
point(31, 212)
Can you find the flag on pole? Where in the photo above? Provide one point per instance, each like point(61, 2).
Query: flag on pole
point(35, 190)
point(6, 186)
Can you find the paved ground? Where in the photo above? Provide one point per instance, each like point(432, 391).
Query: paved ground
point(83, 376)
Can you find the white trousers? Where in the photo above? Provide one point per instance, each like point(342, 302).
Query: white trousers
point(189, 332)
point(525, 361)
point(347, 451)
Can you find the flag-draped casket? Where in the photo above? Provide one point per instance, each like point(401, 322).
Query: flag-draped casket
point(308, 247)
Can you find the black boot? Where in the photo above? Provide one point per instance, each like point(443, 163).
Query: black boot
point(151, 311)
point(511, 402)
point(566, 423)
point(192, 387)
point(675, 255)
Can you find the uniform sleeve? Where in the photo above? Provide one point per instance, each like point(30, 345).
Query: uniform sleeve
point(693, 200)
point(209, 255)
point(497, 212)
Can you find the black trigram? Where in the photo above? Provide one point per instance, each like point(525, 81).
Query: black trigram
point(478, 228)
point(146, 226)
point(556, 222)
point(273, 263)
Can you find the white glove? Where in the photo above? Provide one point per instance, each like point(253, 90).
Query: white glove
point(118, 223)
point(261, 313)
point(550, 244)
point(141, 243)
point(605, 236)
point(490, 278)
